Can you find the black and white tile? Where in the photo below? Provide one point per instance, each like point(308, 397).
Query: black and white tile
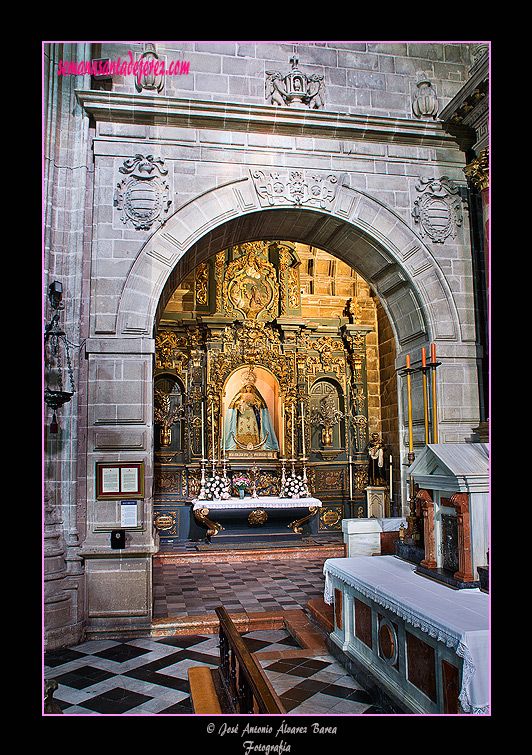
point(146, 677)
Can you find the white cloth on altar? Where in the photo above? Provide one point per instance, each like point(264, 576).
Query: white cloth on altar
point(391, 524)
point(263, 501)
point(460, 618)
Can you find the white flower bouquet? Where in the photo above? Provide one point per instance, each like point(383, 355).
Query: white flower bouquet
point(216, 487)
point(294, 487)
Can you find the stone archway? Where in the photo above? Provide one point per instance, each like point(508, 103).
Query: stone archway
point(352, 226)
point(356, 228)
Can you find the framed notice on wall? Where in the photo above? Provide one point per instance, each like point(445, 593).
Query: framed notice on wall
point(119, 479)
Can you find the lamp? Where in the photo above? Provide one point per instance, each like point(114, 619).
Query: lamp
point(55, 345)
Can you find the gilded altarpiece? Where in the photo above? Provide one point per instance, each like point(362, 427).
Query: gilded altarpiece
point(243, 380)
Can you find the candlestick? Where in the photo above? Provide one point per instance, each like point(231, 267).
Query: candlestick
point(425, 395)
point(202, 485)
point(212, 419)
point(434, 394)
point(350, 479)
point(303, 429)
point(391, 478)
point(203, 429)
point(409, 396)
point(222, 436)
point(293, 449)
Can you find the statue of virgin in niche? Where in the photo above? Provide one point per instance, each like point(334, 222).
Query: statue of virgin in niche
point(248, 424)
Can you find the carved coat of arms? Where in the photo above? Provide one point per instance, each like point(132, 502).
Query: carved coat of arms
point(142, 196)
point(438, 209)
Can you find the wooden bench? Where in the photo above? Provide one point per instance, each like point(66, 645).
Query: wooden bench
point(203, 690)
point(238, 685)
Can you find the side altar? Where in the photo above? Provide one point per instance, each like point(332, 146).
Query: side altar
point(250, 383)
point(247, 518)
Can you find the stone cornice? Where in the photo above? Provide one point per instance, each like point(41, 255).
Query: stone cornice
point(144, 109)
point(474, 90)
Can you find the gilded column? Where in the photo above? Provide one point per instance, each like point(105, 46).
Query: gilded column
point(478, 172)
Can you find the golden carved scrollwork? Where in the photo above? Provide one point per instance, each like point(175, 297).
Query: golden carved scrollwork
point(258, 516)
point(294, 294)
point(478, 170)
point(261, 354)
point(250, 284)
point(360, 477)
point(219, 263)
point(284, 262)
point(251, 338)
point(168, 354)
point(267, 484)
point(297, 525)
point(324, 362)
point(202, 283)
point(330, 518)
point(213, 528)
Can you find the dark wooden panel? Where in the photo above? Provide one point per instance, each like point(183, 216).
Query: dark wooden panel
point(451, 687)
point(421, 670)
point(363, 622)
point(338, 608)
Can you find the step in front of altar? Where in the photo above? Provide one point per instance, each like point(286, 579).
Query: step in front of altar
point(255, 550)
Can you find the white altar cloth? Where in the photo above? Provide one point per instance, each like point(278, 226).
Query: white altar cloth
point(391, 524)
point(263, 502)
point(460, 618)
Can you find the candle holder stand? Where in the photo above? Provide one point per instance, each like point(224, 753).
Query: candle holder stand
point(304, 475)
point(283, 477)
point(201, 495)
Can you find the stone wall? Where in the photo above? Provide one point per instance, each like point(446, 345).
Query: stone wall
point(368, 78)
point(205, 139)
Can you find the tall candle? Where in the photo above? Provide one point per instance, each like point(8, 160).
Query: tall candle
point(434, 395)
point(425, 395)
point(212, 417)
point(203, 429)
point(222, 435)
point(293, 450)
point(409, 396)
point(303, 428)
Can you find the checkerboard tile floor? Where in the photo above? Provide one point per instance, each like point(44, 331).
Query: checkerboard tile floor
point(194, 589)
point(145, 676)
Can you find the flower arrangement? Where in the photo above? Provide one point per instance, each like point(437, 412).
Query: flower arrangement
point(241, 481)
point(216, 487)
point(294, 486)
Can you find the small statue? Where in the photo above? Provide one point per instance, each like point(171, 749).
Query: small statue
point(376, 470)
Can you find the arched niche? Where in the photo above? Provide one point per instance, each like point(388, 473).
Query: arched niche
point(169, 398)
point(268, 387)
point(327, 411)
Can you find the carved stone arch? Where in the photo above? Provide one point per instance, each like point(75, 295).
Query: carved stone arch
point(356, 228)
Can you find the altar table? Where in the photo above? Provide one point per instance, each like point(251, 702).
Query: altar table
point(451, 621)
point(303, 508)
point(261, 501)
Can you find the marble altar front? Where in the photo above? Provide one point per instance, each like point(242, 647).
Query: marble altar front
point(363, 536)
point(426, 644)
point(243, 515)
